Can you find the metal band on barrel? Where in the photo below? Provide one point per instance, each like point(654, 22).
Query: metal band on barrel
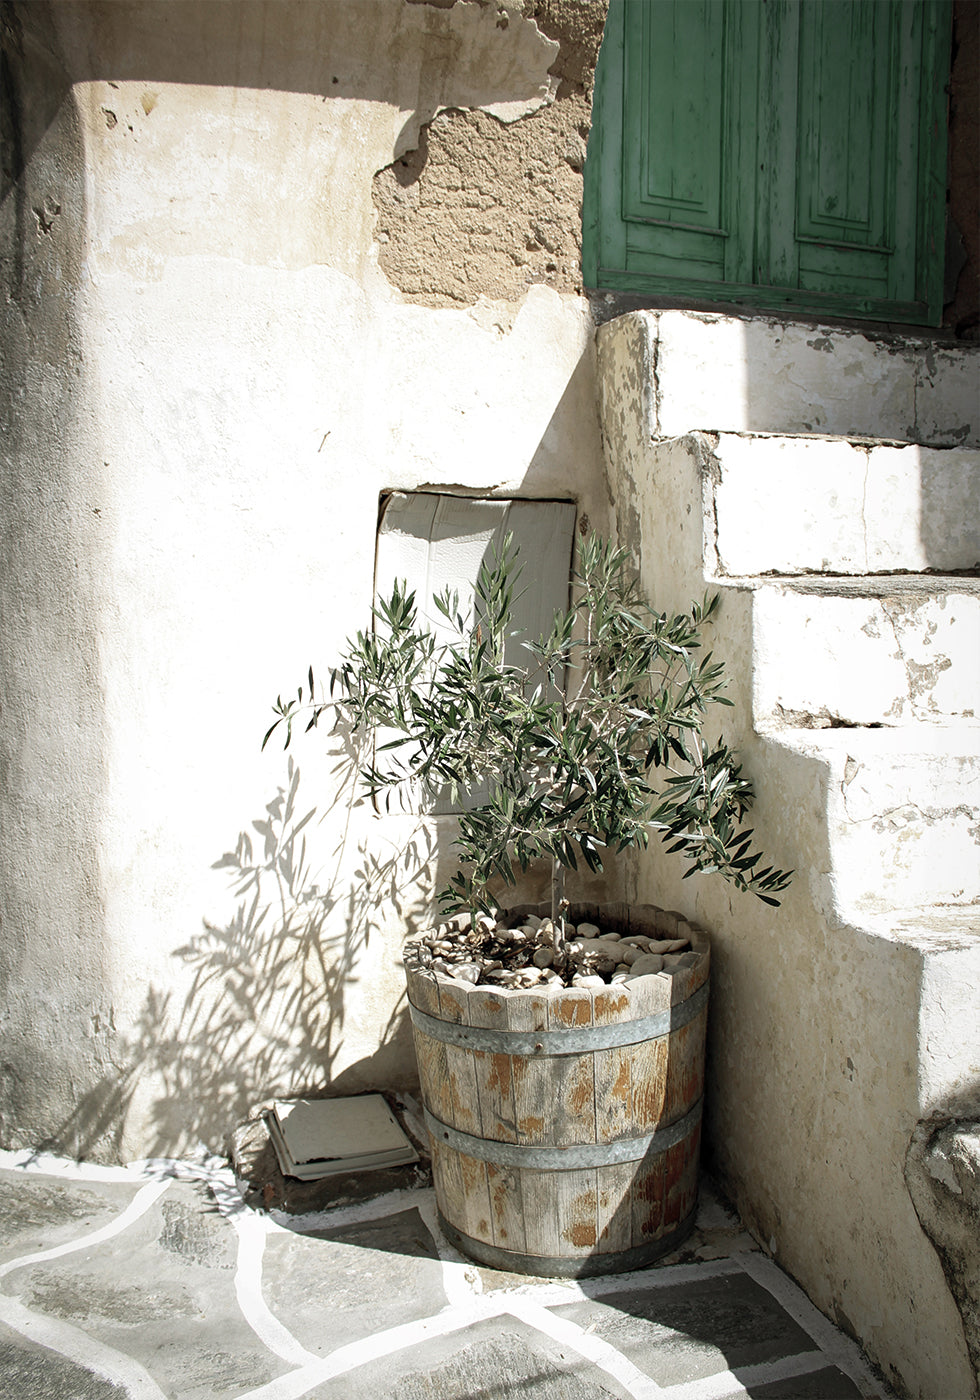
point(587, 1154)
point(573, 1041)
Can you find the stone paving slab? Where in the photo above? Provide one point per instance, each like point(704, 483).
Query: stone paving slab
point(161, 1292)
point(493, 1358)
point(685, 1331)
point(330, 1274)
point(38, 1212)
point(162, 1284)
point(34, 1371)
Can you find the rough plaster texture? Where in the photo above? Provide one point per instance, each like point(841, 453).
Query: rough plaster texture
point(894, 656)
point(842, 1019)
point(207, 383)
point(483, 209)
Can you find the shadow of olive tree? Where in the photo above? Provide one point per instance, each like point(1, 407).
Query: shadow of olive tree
point(266, 1010)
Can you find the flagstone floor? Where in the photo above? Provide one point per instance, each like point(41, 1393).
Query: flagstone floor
point(158, 1281)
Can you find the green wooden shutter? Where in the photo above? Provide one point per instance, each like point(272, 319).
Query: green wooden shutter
point(772, 153)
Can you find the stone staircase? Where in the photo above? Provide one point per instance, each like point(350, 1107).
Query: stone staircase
point(828, 485)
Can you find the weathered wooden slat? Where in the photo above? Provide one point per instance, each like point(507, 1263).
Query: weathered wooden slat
point(573, 1112)
point(570, 1008)
point(495, 1096)
point(612, 1005)
point(423, 993)
point(460, 1073)
point(541, 1205)
point(612, 1072)
point(685, 1068)
point(614, 1208)
point(423, 990)
point(674, 1184)
point(447, 1178)
point(577, 1196)
point(611, 1068)
point(528, 1011)
point(506, 1207)
point(572, 1076)
point(532, 1083)
point(688, 1181)
point(535, 1085)
point(487, 1006)
point(650, 995)
point(475, 1218)
point(648, 1084)
point(647, 1198)
point(434, 1079)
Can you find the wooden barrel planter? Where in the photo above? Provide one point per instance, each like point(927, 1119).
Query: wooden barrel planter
point(565, 1124)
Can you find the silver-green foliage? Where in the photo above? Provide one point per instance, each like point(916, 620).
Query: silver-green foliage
point(594, 743)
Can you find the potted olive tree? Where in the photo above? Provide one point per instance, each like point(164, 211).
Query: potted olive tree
point(561, 1047)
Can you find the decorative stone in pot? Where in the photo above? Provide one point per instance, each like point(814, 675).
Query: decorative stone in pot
point(565, 1121)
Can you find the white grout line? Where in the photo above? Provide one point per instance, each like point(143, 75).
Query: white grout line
point(600, 1353)
point(140, 1203)
point(460, 1278)
point(45, 1164)
point(552, 1293)
point(839, 1350)
point(729, 1385)
point(372, 1348)
point(71, 1342)
point(77, 1346)
point(248, 1290)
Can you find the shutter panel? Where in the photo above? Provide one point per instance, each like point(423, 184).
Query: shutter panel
point(783, 154)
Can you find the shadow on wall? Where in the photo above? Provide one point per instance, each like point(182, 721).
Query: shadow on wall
point(265, 1013)
point(317, 49)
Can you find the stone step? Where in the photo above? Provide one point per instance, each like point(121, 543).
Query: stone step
point(901, 811)
point(810, 505)
point(897, 650)
point(766, 376)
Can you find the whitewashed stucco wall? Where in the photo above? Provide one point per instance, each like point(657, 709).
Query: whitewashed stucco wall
point(243, 383)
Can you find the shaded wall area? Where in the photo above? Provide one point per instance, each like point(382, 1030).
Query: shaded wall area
point(53, 545)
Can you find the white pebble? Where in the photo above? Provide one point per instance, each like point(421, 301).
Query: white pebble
point(466, 972)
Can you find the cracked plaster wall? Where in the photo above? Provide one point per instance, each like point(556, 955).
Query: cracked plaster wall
point(482, 208)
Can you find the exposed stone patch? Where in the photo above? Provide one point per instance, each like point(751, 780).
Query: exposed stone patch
point(942, 1170)
point(484, 209)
